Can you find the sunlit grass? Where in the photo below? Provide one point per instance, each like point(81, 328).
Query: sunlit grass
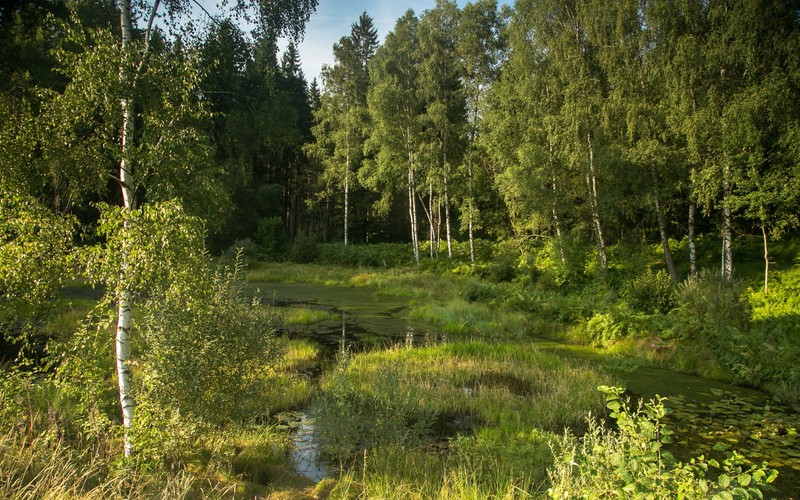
point(469, 319)
point(298, 273)
point(288, 385)
point(502, 402)
point(289, 316)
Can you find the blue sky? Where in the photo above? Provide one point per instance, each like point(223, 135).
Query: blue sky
point(333, 19)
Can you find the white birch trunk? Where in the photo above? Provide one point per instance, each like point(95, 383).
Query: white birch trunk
point(591, 179)
point(727, 228)
point(692, 241)
point(124, 301)
point(346, 188)
point(431, 222)
point(554, 185)
point(470, 209)
point(412, 209)
point(447, 219)
point(766, 257)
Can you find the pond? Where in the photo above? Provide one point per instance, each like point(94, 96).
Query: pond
point(363, 318)
point(709, 417)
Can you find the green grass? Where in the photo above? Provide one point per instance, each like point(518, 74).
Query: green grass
point(289, 316)
point(298, 273)
point(289, 384)
point(463, 419)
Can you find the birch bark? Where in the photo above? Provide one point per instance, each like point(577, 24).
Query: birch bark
point(124, 301)
point(591, 180)
point(692, 240)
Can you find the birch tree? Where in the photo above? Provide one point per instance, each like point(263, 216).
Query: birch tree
point(445, 112)
point(343, 118)
point(140, 108)
point(395, 106)
point(632, 62)
point(480, 52)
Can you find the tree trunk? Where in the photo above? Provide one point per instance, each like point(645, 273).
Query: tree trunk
point(412, 209)
point(346, 192)
point(727, 229)
point(470, 209)
point(430, 219)
point(124, 300)
point(692, 242)
point(766, 257)
point(556, 219)
point(662, 229)
point(447, 214)
point(591, 179)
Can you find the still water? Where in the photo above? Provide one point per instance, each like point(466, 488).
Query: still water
point(710, 417)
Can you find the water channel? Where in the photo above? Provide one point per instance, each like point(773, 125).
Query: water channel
point(708, 416)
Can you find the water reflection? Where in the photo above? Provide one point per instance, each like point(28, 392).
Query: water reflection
point(305, 456)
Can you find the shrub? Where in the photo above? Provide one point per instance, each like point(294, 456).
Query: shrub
point(304, 249)
point(246, 249)
point(271, 238)
point(478, 291)
point(351, 418)
point(202, 360)
point(380, 255)
point(603, 328)
point(632, 462)
point(651, 292)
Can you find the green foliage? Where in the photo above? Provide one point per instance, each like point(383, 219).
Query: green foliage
point(604, 328)
point(271, 238)
point(380, 255)
point(304, 249)
point(351, 418)
point(503, 264)
point(710, 308)
point(35, 258)
point(246, 249)
point(202, 358)
point(416, 396)
point(632, 462)
point(651, 292)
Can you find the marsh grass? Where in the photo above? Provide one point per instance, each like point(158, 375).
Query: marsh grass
point(48, 463)
point(289, 384)
point(289, 316)
point(400, 473)
point(467, 319)
point(51, 468)
point(458, 420)
point(298, 273)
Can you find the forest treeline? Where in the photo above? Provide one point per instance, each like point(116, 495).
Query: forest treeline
point(634, 120)
point(140, 140)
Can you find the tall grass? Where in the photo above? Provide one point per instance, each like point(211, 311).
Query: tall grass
point(458, 420)
point(50, 468)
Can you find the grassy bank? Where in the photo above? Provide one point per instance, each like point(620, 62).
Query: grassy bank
point(463, 418)
point(702, 325)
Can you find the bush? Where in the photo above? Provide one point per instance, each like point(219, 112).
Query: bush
point(246, 249)
point(304, 249)
point(711, 307)
point(632, 462)
point(271, 238)
point(381, 255)
point(350, 418)
point(202, 360)
point(651, 292)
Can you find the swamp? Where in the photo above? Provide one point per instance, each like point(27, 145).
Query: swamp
point(487, 249)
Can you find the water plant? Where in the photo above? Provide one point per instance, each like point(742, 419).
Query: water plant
point(632, 461)
point(457, 407)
